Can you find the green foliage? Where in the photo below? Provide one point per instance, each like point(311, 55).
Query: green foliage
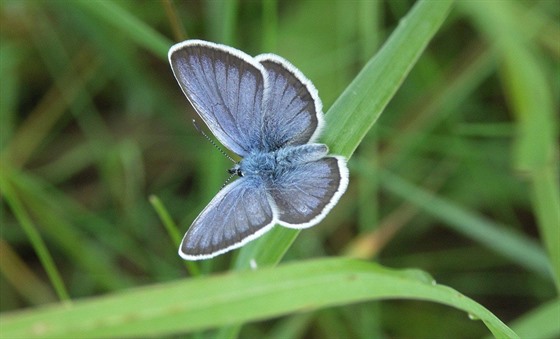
point(250, 296)
point(447, 112)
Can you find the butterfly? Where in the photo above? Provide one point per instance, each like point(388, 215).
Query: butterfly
point(268, 113)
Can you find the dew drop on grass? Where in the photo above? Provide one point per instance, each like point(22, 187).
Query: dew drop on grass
point(473, 317)
point(419, 275)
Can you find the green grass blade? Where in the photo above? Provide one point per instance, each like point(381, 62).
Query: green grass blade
point(546, 199)
point(35, 238)
point(541, 322)
point(363, 101)
point(222, 22)
point(248, 296)
point(9, 62)
point(172, 230)
point(270, 25)
point(166, 219)
point(500, 239)
point(527, 88)
point(356, 110)
point(137, 30)
point(51, 207)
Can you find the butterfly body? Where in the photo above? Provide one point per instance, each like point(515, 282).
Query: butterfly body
point(272, 166)
point(267, 112)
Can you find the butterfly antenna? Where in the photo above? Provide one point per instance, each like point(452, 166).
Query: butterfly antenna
point(213, 143)
point(228, 180)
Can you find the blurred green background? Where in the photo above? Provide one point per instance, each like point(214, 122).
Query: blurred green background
point(458, 177)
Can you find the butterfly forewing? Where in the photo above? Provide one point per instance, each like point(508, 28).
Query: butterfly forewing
point(225, 86)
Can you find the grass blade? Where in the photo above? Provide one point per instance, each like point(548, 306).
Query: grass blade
point(137, 30)
point(249, 296)
point(363, 101)
point(499, 239)
point(541, 322)
point(530, 98)
point(34, 237)
point(172, 230)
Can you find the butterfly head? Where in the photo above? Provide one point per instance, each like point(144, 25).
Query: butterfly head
point(236, 170)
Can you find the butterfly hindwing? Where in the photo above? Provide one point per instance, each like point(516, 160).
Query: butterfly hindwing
point(240, 212)
point(305, 194)
point(292, 108)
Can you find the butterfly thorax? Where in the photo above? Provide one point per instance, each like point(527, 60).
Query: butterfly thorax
point(269, 165)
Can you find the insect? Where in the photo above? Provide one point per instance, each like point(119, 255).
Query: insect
point(266, 111)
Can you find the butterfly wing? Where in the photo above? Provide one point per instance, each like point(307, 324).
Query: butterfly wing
point(225, 86)
point(305, 194)
point(261, 103)
point(239, 213)
point(292, 108)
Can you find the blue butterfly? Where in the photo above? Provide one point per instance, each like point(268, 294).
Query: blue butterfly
point(267, 112)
